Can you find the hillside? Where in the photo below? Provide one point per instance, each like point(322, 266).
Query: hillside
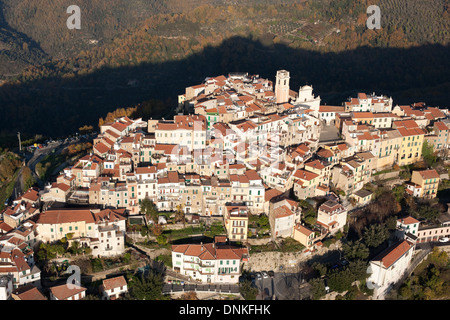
point(322, 42)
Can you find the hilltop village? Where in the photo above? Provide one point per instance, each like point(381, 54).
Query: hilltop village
point(241, 148)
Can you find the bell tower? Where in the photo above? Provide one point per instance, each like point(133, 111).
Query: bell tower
point(282, 86)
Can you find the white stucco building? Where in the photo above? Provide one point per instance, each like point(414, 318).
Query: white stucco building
point(209, 263)
point(389, 267)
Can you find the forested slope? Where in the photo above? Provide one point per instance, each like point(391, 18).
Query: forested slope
point(158, 49)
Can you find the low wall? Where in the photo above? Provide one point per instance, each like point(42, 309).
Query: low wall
point(384, 176)
point(179, 226)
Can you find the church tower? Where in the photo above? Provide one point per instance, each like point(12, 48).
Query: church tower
point(282, 86)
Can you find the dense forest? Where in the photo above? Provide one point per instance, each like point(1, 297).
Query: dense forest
point(155, 54)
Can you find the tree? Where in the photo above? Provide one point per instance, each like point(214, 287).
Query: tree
point(425, 211)
point(341, 280)
point(148, 208)
point(428, 154)
point(375, 234)
point(263, 222)
point(355, 250)
point(156, 230)
point(147, 287)
point(358, 269)
point(75, 247)
point(391, 223)
point(320, 268)
point(247, 290)
point(161, 239)
point(180, 215)
point(317, 288)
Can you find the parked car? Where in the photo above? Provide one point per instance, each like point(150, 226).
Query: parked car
point(271, 273)
point(265, 274)
point(444, 239)
point(344, 262)
point(258, 276)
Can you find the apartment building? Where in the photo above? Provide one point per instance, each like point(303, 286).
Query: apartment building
point(215, 262)
point(236, 222)
point(424, 184)
point(103, 231)
point(410, 150)
point(388, 267)
point(331, 217)
point(188, 131)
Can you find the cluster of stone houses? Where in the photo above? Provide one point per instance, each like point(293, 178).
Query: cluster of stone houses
point(247, 146)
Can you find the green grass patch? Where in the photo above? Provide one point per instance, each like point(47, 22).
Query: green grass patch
point(166, 259)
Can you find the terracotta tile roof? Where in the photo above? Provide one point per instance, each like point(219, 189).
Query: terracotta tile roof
point(304, 230)
point(305, 175)
point(145, 170)
point(316, 164)
point(408, 220)
point(28, 292)
point(410, 132)
point(282, 212)
point(202, 251)
point(110, 215)
point(359, 115)
point(167, 148)
point(5, 227)
point(56, 216)
point(63, 292)
point(62, 186)
point(115, 282)
point(271, 193)
point(119, 126)
point(331, 109)
point(362, 96)
point(408, 124)
point(325, 153)
point(302, 149)
point(440, 125)
point(429, 174)
point(392, 254)
point(31, 195)
point(252, 175)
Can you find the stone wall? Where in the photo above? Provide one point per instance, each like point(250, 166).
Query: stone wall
point(384, 176)
point(272, 260)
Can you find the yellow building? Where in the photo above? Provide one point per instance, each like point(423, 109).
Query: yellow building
point(236, 223)
point(410, 150)
point(428, 180)
point(304, 235)
point(56, 224)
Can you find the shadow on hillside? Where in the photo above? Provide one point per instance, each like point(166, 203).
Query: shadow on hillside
point(57, 106)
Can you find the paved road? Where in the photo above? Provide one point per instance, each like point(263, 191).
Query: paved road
point(37, 156)
point(224, 288)
point(284, 286)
